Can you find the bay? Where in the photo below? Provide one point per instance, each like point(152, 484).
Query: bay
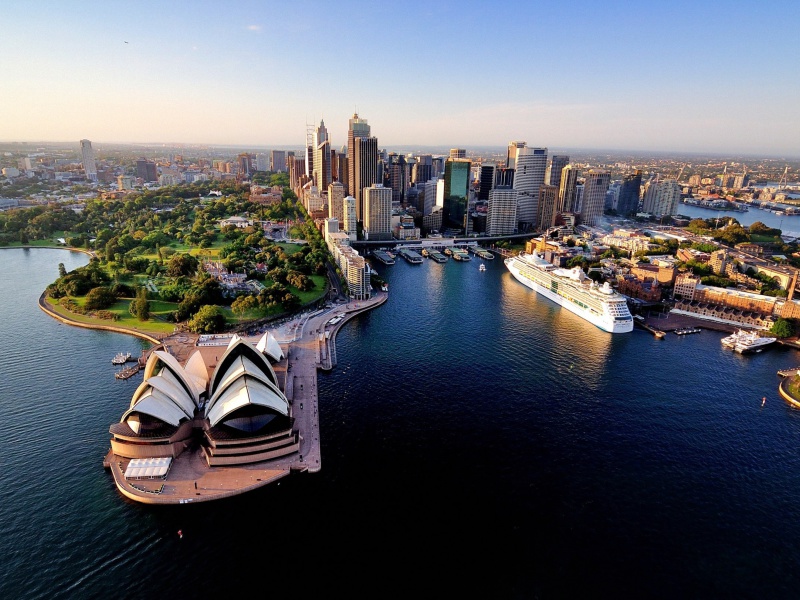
point(477, 441)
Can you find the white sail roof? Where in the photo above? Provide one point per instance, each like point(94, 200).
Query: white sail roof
point(269, 345)
point(244, 391)
point(158, 405)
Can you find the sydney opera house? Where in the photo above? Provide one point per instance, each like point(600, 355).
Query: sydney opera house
point(231, 414)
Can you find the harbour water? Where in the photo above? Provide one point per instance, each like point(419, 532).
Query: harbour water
point(477, 442)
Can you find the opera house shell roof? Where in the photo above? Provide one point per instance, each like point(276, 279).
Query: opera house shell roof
point(237, 414)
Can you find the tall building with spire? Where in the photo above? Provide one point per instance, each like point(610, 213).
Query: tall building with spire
point(357, 128)
point(87, 158)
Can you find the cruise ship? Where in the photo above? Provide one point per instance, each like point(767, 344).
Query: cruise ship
point(572, 289)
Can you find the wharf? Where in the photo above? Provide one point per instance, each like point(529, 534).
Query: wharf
point(656, 332)
point(128, 372)
point(789, 372)
point(411, 256)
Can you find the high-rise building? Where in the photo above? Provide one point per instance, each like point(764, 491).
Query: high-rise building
point(87, 156)
point(662, 197)
point(629, 193)
point(244, 164)
point(437, 166)
point(278, 160)
point(458, 153)
point(595, 187)
point(423, 169)
point(358, 128)
point(321, 174)
point(554, 167)
point(146, 170)
point(531, 164)
point(350, 220)
point(567, 203)
point(546, 207)
point(336, 201)
point(504, 176)
point(501, 217)
point(341, 167)
point(377, 212)
point(398, 176)
point(429, 191)
point(456, 192)
point(486, 181)
point(366, 164)
point(511, 157)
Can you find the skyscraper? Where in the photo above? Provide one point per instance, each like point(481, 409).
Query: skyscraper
point(146, 170)
point(366, 164)
point(595, 187)
point(662, 197)
point(321, 174)
point(629, 192)
point(357, 128)
point(456, 192)
point(377, 212)
point(486, 181)
point(501, 217)
point(278, 160)
point(546, 207)
point(87, 157)
point(554, 167)
point(336, 201)
point(531, 164)
point(566, 189)
point(350, 221)
point(398, 176)
point(423, 169)
point(511, 157)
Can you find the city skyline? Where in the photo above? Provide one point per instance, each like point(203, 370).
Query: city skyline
point(701, 77)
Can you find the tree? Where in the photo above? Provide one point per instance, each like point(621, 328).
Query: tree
point(99, 298)
point(782, 328)
point(140, 306)
point(209, 319)
point(62, 270)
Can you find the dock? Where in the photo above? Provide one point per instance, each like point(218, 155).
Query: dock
point(128, 372)
point(656, 332)
point(789, 372)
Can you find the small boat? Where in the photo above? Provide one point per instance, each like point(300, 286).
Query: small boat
point(482, 267)
point(121, 358)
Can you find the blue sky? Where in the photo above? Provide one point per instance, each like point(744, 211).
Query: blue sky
point(673, 76)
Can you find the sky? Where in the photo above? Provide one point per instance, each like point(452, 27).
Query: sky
point(683, 76)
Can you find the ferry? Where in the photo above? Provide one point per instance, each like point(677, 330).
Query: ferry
point(571, 288)
point(384, 257)
point(410, 256)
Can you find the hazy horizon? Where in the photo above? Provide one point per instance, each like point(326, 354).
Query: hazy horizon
point(692, 77)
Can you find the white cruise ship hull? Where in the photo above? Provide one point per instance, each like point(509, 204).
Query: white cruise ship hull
point(604, 321)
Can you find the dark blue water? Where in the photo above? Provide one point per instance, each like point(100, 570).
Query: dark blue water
point(788, 224)
point(477, 442)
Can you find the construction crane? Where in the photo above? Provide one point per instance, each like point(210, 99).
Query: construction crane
point(678, 178)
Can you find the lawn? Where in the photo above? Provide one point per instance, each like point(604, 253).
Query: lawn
point(157, 324)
